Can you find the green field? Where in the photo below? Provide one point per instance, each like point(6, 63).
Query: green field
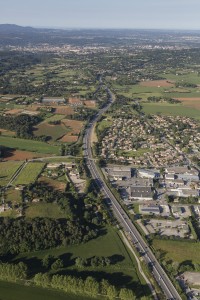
point(170, 109)
point(13, 291)
point(30, 173)
point(132, 153)
point(178, 251)
point(123, 272)
point(13, 195)
point(29, 145)
point(187, 77)
point(7, 169)
point(44, 210)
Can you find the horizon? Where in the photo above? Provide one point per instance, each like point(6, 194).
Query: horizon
point(107, 14)
point(98, 28)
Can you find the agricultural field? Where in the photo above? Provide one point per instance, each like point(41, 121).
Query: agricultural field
point(29, 173)
point(11, 154)
point(63, 110)
point(7, 170)
point(29, 145)
point(44, 210)
point(178, 251)
point(170, 109)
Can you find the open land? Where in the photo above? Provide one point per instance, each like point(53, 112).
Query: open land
point(30, 173)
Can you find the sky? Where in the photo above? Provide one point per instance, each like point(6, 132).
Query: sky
point(143, 14)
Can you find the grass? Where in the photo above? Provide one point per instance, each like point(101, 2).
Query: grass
point(14, 291)
point(53, 131)
point(178, 251)
point(13, 195)
point(132, 153)
point(124, 272)
point(170, 109)
point(188, 77)
point(30, 173)
point(29, 145)
point(44, 210)
point(7, 169)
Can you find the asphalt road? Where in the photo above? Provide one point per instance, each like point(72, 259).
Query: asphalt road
point(157, 271)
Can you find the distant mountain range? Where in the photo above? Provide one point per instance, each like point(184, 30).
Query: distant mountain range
point(12, 28)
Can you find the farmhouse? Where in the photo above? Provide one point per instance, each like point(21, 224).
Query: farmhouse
point(53, 100)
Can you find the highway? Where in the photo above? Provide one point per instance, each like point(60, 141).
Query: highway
point(141, 246)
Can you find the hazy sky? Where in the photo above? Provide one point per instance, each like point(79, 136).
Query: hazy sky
point(175, 14)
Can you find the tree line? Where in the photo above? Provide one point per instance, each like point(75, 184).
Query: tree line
point(88, 287)
point(22, 235)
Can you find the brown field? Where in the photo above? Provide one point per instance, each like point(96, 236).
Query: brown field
point(190, 102)
point(75, 101)
point(69, 138)
point(20, 155)
point(63, 110)
point(15, 111)
point(57, 185)
point(34, 107)
point(7, 132)
point(90, 103)
point(75, 126)
point(156, 83)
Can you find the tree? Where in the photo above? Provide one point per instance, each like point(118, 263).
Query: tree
point(58, 264)
point(126, 294)
point(112, 292)
point(80, 262)
point(91, 286)
point(47, 261)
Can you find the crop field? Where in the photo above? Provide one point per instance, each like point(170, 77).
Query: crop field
point(11, 154)
point(14, 291)
point(30, 173)
point(44, 210)
point(178, 251)
point(28, 145)
point(170, 109)
point(69, 138)
point(191, 102)
point(7, 170)
point(157, 83)
point(63, 110)
point(75, 126)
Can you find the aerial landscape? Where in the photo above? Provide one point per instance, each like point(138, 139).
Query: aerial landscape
point(99, 151)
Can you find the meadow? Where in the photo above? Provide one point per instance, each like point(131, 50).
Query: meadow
point(7, 169)
point(14, 291)
point(178, 251)
point(170, 109)
point(30, 173)
point(109, 244)
point(29, 145)
point(44, 210)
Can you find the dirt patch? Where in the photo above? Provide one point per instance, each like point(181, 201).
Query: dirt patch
point(75, 126)
point(157, 83)
point(13, 154)
point(57, 185)
point(63, 110)
point(69, 139)
point(14, 112)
